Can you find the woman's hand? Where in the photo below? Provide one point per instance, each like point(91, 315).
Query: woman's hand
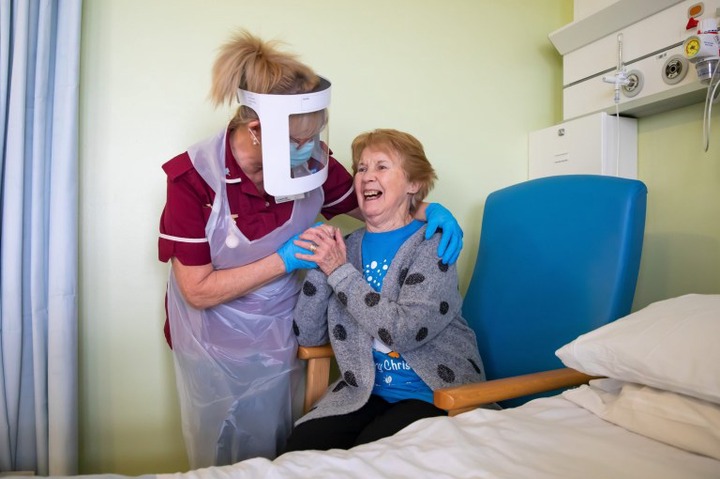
point(327, 246)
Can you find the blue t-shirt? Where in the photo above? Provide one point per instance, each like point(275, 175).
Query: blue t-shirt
point(395, 380)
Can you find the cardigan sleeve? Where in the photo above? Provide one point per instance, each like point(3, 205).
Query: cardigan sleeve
point(417, 302)
point(310, 315)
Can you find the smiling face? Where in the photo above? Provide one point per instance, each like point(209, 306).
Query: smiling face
point(383, 191)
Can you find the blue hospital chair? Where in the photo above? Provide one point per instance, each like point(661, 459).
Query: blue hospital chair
point(558, 256)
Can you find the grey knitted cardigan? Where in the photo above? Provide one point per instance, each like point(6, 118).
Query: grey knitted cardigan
point(417, 313)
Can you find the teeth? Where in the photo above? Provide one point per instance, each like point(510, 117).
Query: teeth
point(371, 194)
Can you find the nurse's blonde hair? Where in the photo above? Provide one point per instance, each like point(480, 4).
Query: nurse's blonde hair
point(249, 63)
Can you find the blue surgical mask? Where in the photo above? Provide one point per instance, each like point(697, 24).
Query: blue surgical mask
point(299, 155)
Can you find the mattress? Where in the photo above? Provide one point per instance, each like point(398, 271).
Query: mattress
point(546, 438)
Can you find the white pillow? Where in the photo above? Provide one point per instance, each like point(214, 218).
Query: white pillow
point(671, 345)
point(681, 421)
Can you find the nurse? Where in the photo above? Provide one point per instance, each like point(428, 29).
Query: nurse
point(235, 206)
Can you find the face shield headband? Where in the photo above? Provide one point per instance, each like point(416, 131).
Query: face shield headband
point(280, 155)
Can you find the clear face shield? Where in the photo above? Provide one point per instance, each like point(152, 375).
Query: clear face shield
point(294, 139)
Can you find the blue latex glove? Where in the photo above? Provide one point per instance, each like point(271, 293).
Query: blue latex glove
point(287, 254)
point(440, 218)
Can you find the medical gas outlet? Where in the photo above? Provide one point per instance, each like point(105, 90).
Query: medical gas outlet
point(703, 49)
point(638, 57)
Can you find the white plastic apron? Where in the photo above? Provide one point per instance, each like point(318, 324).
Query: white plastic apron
point(234, 362)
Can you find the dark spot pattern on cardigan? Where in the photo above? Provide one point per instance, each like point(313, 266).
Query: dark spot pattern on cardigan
point(339, 332)
point(309, 289)
point(296, 329)
point(475, 366)
point(442, 266)
point(421, 334)
point(349, 377)
point(444, 307)
point(385, 336)
point(339, 386)
point(372, 299)
point(342, 297)
point(403, 275)
point(445, 373)
point(415, 278)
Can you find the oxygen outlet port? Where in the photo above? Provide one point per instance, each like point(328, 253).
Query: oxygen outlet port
point(674, 69)
point(635, 82)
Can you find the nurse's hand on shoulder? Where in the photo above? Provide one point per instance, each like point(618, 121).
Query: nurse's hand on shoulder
point(451, 241)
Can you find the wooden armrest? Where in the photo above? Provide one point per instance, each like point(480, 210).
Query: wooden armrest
point(312, 352)
point(318, 372)
point(473, 395)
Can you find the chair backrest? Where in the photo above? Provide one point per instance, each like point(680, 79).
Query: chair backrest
point(558, 256)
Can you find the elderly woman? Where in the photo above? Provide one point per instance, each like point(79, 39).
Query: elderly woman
point(390, 307)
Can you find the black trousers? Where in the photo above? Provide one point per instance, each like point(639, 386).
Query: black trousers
point(376, 419)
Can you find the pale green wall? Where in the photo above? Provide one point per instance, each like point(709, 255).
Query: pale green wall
point(470, 78)
point(682, 237)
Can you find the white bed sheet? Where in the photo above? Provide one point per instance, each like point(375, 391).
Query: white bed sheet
point(546, 438)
